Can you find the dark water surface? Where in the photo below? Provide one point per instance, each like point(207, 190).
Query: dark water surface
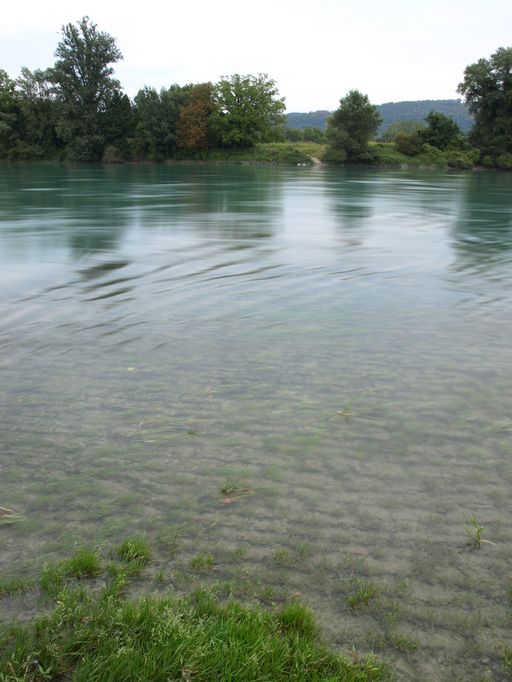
point(336, 341)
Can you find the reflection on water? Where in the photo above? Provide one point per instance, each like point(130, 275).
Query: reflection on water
point(338, 340)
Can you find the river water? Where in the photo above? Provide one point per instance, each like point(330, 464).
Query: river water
point(330, 347)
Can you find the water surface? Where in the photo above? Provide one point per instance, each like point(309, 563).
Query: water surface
point(336, 341)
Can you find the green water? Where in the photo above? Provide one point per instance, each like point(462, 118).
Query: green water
point(337, 342)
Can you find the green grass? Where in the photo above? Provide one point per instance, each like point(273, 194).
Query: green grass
point(507, 660)
point(267, 153)
point(202, 562)
point(474, 533)
point(365, 591)
point(136, 551)
point(83, 564)
point(103, 635)
point(15, 586)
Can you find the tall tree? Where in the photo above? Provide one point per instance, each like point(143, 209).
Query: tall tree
point(85, 87)
point(441, 132)
point(350, 128)
point(193, 130)
point(487, 90)
point(249, 110)
point(157, 117)
point(38, 115)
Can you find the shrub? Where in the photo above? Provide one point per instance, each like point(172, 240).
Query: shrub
point(409, 144)
point(504, 161)
point(335, 155)
point(460, 160)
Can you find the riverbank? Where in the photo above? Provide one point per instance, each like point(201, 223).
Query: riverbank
point(380, 155)
point(99, 617)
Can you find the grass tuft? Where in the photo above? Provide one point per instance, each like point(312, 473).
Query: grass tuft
point(15, 586)
point(83, 564)
point(135, 551)
point(202, 562)
point(364, 593)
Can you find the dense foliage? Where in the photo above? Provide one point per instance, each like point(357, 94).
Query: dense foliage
point(351, 127)
point(76, 110)
point(487, 89)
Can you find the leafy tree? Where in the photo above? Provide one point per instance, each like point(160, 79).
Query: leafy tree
point(157, 116)
point(487, 89)
point(8, 114)
point(310, 134)
point(193, 131)
point(441, 132)
point(409, 144)
point(117, 125)
point(38, 111)
point(292, 135)
point(350, 128)
point(249, 110)
point(84, 84)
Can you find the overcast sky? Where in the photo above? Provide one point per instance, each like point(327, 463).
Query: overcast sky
point(316, 51)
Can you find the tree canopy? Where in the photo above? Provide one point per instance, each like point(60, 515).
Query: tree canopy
point(351, 127)
point(83, 78)
point(248, 111)
point(441, 132)
point(487, 90)
point(76, 109)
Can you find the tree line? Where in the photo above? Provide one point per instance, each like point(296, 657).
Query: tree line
point(487, 91)
point(77, 110)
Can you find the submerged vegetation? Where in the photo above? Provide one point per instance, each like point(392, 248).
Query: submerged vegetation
point(99, 632)
point(76, 110)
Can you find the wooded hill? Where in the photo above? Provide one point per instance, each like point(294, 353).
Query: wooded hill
point(391, 112)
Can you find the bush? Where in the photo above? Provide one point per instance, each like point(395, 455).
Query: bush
point(460, 160)
point(504, 161)
point(335, 155)
point(112, 155)
point(409, 144)
point(85, 148)
point(432, 156)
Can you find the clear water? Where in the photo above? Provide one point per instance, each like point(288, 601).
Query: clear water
point(335, 341)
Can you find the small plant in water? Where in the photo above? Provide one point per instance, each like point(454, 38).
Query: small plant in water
point(231, 491)
point(365, 591)
point(474, 533)
point(202, 562)
point(282, 557)
point(135, 550)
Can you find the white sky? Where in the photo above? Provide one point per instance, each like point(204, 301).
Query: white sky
point(316, 50)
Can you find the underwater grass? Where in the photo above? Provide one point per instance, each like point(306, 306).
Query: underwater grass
point(365, 591)
point(135, 551)
point(106, 636)
point(83, 564)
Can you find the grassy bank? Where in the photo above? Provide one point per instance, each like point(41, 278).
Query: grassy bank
point(93, 625)
point(268, 153)
point(380, 154)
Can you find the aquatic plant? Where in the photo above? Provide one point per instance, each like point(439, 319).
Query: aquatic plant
point(202, 562)
point(231, 491)
point(83, 564)
point(365, 591)
point(135, 550)
point(474, 532)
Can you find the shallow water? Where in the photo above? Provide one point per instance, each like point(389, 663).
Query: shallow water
point(335, 341)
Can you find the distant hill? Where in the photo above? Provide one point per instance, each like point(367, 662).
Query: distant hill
point(391, 112)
